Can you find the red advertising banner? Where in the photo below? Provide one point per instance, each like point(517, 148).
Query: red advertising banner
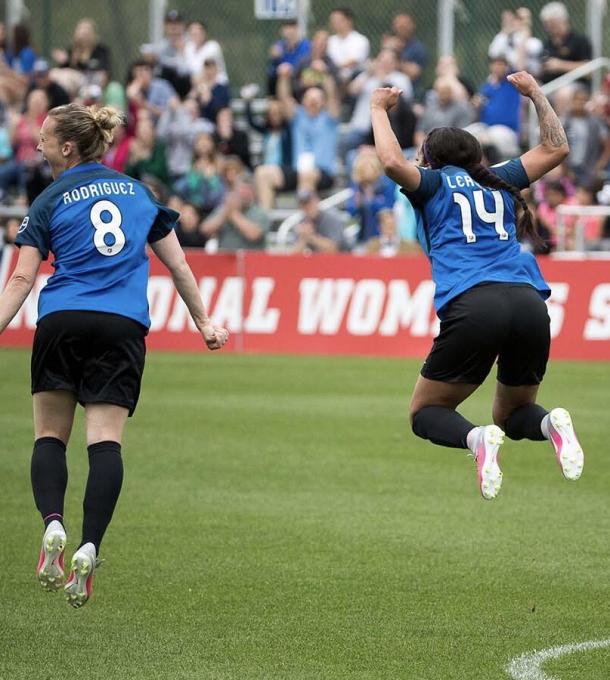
point(338, 304)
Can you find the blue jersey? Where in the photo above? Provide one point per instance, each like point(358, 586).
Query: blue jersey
point(96, 222)
point(468, 231)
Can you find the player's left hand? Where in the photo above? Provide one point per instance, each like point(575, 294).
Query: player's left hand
point(214, 336)
point(385, 97)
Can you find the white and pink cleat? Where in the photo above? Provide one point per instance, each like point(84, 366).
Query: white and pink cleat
point(490, 438)
point(50, 569)
point(568, 450)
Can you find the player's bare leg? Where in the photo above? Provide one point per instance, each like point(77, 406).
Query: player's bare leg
point(53, 418)
point(515, 408)
point(434, 417)
point(104, 423)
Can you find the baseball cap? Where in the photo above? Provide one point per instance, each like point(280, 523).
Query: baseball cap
point(174, 17)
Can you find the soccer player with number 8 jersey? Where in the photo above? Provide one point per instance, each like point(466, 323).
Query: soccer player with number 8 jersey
point(489, 292)
point(89, 345)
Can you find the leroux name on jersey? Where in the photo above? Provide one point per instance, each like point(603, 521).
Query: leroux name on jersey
point(99, 189)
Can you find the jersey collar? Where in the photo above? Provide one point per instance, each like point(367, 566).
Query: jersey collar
point(81, 167)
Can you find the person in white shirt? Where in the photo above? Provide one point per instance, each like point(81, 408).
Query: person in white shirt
point(198, 48)
point(516, 43)
point(347, 48)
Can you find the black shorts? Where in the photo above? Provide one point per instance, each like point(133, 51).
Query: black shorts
point(99, 357)
point(291, 177)
point(507, 322)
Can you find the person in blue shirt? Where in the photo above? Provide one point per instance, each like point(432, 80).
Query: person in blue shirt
point(489, 292)
point(291, 49)
point(92, 321)
point(500, 102)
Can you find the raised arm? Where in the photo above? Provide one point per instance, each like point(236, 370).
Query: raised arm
point(168, 250)
point(395, 166)
point(553, 147)
point(19, 285)
point(284, 90)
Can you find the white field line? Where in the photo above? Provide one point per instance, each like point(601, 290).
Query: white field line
point(527, 666)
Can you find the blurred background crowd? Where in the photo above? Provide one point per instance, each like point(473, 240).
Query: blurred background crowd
point(288, 163)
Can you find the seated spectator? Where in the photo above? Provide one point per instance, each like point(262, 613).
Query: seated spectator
point(189, 227)
point(374, 193)
point(314, 141)
point(232, 170)
point(202, 184)
point(312, 71)
point(145, 92)
point(554, 196)
point(238, 223)
point(583, 230)
point(199, 47)
point(516, 44)
point(443, 110)
point(382, 72)
point(11, 174)
point(41, 80)
point(564, 50)
point(86, 54)
point(588, 137)
point(389, 242)
point(178, 127)
point(170, 53)
point(211, 94)
point(413, 52)
point(16, 65)
point(230, 140)
point(291, 49)
point(347, 48)
point(277, 138)
point(26, 135)
point(146, 152)
point(320, 231)
point(117, 155)
point(10, 230)
point(499, 102)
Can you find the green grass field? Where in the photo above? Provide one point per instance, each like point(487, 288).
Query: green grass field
point(279, 521)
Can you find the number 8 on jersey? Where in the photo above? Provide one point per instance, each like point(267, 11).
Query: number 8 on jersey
point(103, 228)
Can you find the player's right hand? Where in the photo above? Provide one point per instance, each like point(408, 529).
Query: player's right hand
point(385, 97)
point(524, 82)
point(214, 336)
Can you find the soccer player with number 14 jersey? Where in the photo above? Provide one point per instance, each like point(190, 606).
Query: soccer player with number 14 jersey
point(89, 345)
point(489, 292)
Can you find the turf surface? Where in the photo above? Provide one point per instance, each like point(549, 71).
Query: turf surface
point(279, 521)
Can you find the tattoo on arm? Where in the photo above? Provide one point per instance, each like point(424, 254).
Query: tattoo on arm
point(551, 130)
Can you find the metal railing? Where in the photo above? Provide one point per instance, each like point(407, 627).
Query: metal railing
point(594, 66)
point(566, 211)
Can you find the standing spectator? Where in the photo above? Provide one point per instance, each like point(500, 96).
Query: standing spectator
point(239, 223)
point(588, 137)
point(170, 53)
point(443, 110)
point(312, 71)
point(314, 141)
point(320, 231)
point(117, 155)
point(448, 68)
point(211, 94)
point(229, 139)
point(277, 138)
point(383, 72)
point(144, 92)
point(500, 102)
point(146, 152)
point(16, 65)
point(374, 193)
point(413, 52)
point(564, 50)
point(291, 49)
point(178, 127)
point(348, 49)
point(202, 184)
point(516, 43)
point(198, 48)
point(41, 80)
point(86, 53)
point(555, 195)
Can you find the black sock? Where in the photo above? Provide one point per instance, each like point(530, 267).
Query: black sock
point(49, 474)
point(442, 426)
point(103, 489)
point(524, 422)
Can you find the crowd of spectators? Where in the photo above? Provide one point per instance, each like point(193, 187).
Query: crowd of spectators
point(311, 134)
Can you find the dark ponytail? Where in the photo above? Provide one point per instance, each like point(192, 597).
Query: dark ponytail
point(454, 146)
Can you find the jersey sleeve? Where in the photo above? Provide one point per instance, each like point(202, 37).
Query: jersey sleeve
point(512, 172)
point(429, 184)
point(34, 230)
point(164, 222)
